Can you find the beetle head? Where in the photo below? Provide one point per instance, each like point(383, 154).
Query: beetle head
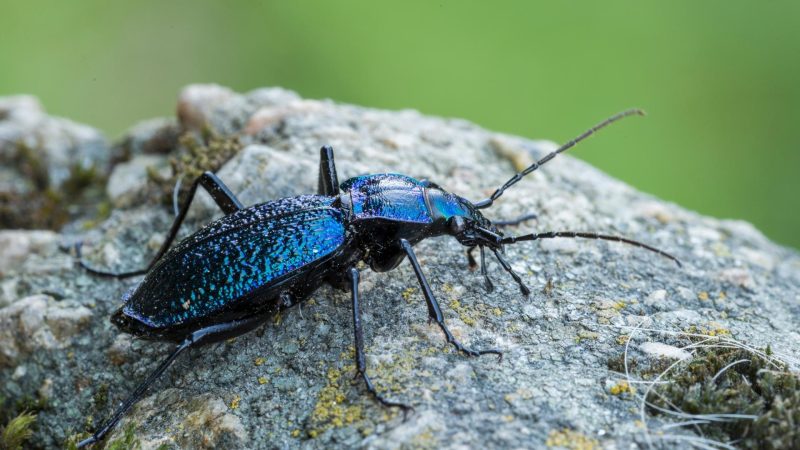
point(462, 220)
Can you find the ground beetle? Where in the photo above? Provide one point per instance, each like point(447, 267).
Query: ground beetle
point(235, 273)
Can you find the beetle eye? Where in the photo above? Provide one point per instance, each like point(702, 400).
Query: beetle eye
point(457, 224)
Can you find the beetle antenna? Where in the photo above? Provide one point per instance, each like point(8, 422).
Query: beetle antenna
point(497, 193)
point(574, 234)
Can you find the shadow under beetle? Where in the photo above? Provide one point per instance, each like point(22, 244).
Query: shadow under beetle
point(232, 275)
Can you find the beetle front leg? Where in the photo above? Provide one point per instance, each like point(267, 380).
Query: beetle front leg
point(507, 267)
point(515, 221)
point(361, 360)
point(484, 272)
point(222, 196)
point(434, 310)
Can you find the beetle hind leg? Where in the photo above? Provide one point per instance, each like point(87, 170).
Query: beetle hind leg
point(202, 336)
point(361, 360)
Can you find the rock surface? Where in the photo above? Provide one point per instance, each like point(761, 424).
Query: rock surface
point(289, 383)
point(45, 162)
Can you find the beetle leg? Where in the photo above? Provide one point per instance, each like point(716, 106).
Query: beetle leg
point(221, 194)
point(524, 289)
point(434, 310)
point(515, 221)
point(471, 262)
point(485, 272)
point(361, 361)
point(328, 183)
point(202, 336)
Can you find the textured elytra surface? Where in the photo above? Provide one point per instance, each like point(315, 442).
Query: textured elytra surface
point(288, 384)
point(219, 266)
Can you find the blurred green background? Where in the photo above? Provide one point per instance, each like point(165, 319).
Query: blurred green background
point(719, 79)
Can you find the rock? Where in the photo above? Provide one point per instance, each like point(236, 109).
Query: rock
point(38, 323)
point(44, 162)
point(16, 246)
point(149, 137)
point(60, 145)
point(289, 383)
point(661, 350)
point(128, 180)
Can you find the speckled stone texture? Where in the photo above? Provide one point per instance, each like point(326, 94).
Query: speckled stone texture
point(289, 384)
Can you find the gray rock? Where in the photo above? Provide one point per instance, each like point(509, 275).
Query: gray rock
point(46, 165)
point(60, 144)
point(289, 384)
point(129, 179)
point(153, 136)
point(38, 323)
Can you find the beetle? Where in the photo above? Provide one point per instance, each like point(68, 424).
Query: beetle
point(235, 273)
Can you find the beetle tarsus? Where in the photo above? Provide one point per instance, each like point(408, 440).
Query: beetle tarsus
point(507, 267)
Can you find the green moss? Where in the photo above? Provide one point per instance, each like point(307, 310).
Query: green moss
point(729, 380)
point(128, 440)
point(31, 166)
point(12, 409)
point(617, 364)
point(17, 431)
point(71, 443)
point(44, 210)
point(101, 396)
point(44, 206)
point(79, 179)
point(197, 154)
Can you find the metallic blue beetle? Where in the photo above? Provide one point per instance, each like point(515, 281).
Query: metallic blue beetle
point(234, 274)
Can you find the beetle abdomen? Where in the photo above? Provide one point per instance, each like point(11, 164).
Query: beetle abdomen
point(233, 263)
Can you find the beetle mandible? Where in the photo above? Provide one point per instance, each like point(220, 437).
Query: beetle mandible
point(235, 273)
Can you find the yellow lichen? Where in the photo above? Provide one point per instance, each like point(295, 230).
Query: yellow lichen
point(570, 439)
point(424, 440)
point(703, 296)
point(408, 293)
point(262, 380)
point(712, 329)
point(608, 309)
point(585, 335)
point(622, 339)
point(259, 361)
point(622, 387)
point(467, 315)
point(235, 402)
point(332, 409)
point(295, 433)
